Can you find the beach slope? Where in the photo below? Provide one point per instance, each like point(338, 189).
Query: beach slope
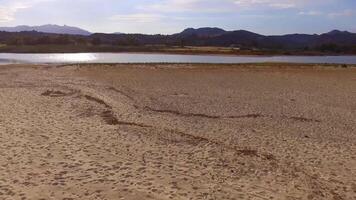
point(177, 132)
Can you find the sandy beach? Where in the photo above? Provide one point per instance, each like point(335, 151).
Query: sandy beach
point(150, 131)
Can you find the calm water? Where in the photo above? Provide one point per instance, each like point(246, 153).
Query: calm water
point(7, 58)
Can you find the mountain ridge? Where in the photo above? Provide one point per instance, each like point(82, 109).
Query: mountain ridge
point(48, 28)
point(335, 41)
point(202, 31)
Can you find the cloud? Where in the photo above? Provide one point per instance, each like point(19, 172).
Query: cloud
point(8, 9)
point(311, 13)
point(152, 16)
point(282, 5)
point(137, 18)
point(220, 6)
point(7, 12)
point(336, 14)
point(169, 6)
point(267, 3)
point(343, 13)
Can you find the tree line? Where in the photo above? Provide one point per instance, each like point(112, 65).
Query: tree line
point(36, 38)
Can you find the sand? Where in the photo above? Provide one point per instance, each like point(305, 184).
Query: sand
point(177, 132)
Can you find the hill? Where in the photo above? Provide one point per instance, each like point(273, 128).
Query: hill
point(333, 42)
point(49, 28)
point(202, 32)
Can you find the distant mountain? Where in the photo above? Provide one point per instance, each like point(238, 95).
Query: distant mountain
point(49, 28)
point(237, 38)
point(203, 32)
point(242, 38)
point(332, 42)
point(337, 32)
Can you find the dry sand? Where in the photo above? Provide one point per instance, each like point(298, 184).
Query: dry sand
point(177, 132)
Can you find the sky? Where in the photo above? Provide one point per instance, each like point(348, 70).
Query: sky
point(270, 17)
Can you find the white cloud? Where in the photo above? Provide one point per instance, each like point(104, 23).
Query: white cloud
point(188, 6)
point(343, 13)
point(8, 9)
point(137, 18)
point(282, 5)
point(7, 12)
point(269, 3)
point(336, 14)
point(310, 13)
point(204, 6)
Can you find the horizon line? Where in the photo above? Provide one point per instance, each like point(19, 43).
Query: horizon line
point(119, 32)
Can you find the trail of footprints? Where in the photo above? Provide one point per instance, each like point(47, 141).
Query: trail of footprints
point(148, 173)
point(132, 181)
point(58, 148)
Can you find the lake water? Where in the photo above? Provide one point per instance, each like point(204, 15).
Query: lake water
point(9, 58)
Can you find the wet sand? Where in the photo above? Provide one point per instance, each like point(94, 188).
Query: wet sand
point(177, 132)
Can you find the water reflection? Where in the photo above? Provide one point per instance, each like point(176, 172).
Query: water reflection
point(164, 58)
point(72, 57)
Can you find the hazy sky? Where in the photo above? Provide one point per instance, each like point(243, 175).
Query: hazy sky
point(169, 16)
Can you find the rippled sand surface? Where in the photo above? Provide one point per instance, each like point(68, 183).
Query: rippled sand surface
point(177, 132)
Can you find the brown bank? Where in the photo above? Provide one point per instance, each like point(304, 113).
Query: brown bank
point(177, 132)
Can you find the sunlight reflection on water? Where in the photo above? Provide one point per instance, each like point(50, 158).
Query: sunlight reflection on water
point(8, 58)
point(73, 57)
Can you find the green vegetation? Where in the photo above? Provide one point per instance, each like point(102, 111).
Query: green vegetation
point(53, 48)
point(235, 43)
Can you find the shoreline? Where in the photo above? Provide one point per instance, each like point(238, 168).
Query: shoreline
point(279, 65)
point(187, 50)
point(106, 58)
point(181, 53)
